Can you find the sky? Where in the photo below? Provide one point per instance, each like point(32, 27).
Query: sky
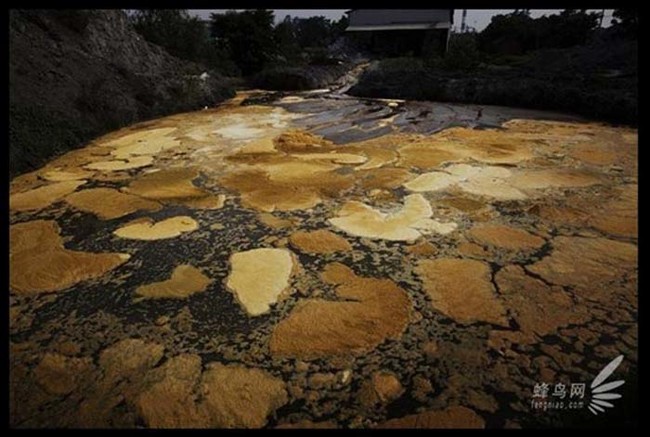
point(476, 18)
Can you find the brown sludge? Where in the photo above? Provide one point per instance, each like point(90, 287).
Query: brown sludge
point(174, 185)
point(320, 241)
point(452, 417)
point(185, 281)
point(40, 264)
point(107, 203)
point(375, 310)
point(462, 290)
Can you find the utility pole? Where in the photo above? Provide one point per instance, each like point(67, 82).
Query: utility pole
point(602, 15)
point(462, 21)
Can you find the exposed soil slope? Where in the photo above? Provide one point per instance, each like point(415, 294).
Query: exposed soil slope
point(77, 74)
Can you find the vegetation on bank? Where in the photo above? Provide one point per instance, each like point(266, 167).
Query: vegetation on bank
point(245, 43)
point(563, 62)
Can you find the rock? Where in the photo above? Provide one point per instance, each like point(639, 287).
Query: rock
point(461, 289)
point(452, 417)
point(260, 277)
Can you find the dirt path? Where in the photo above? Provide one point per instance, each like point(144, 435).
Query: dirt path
point(325, 261)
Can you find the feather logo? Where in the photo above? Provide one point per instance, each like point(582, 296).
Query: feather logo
point(600, 391)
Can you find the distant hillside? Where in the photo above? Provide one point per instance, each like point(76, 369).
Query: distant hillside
point(75, 75)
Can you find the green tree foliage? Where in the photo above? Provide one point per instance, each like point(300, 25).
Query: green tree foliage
point(287, 40)
point(627, 20)
point(314, 31)
point(510, 33)
point(239, 42)
point(570, 28)
point(340, 26)
point(247, 36)
point(462, 52)
point(182, 36)
point(517, 32)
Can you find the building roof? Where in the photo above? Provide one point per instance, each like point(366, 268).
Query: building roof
point(399, 19)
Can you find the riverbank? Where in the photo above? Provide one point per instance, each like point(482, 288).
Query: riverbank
point(598, 82)
point(75, 75)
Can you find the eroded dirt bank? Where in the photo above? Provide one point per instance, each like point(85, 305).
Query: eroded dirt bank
point(77, 74)
point(325, 262)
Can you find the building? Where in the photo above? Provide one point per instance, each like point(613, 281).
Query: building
point(400, 32)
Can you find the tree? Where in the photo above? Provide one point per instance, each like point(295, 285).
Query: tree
point(181, 35)
point(286, 39)
point(313, 31)
point(517, 32)
point(509, 33)
point(570, 28)
point(339, 26)
point(627, 20)
point(247, 36)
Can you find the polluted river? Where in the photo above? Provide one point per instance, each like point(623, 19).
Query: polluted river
point(314, 260)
